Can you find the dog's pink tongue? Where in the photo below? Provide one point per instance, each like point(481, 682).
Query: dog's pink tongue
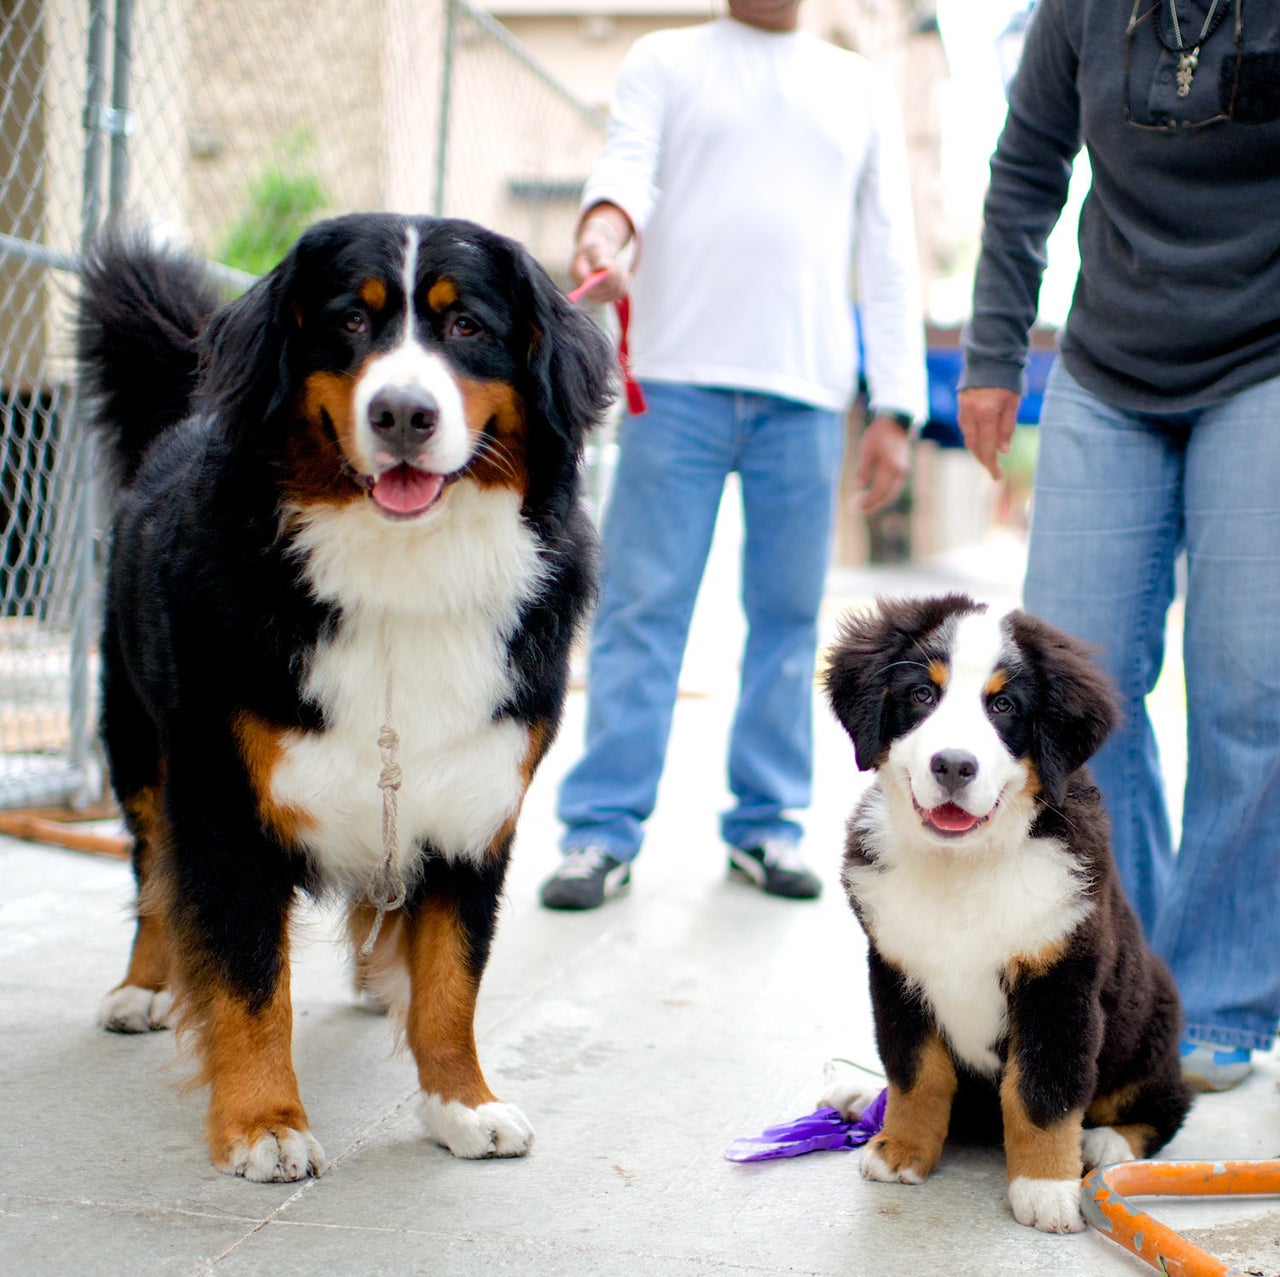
point(951, 819)
point(405, 490)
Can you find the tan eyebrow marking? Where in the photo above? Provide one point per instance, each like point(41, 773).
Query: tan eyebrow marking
point(442, 294)
point(939, 673)
point(373, 292)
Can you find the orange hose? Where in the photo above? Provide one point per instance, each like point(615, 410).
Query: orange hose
point(1104, 1194)
point(38, 829)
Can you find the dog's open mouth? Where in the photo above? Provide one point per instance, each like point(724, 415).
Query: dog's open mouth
point(950, 818)
point(404, 492)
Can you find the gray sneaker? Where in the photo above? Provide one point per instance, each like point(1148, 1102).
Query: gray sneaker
point(776, 868)
point(585, 879)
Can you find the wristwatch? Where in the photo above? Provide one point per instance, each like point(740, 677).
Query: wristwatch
point(903, 419)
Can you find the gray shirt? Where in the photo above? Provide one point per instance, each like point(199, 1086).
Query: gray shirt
point(1177, 303)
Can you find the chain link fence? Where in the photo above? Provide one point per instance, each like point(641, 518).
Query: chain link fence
point(227, 126)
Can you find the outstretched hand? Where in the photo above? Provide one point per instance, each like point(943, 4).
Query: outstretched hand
point(596, 253)
point(987, 417)
point(884, 459)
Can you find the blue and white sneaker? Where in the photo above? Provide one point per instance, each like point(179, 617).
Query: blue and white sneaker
point(1206, 1067)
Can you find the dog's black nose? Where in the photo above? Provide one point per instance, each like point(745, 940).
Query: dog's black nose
point(953, 768)
point(403, 418)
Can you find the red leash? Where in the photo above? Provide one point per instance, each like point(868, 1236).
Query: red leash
point(635, 395)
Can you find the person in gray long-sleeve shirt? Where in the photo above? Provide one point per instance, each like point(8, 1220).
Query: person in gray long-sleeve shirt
point(1160, 433)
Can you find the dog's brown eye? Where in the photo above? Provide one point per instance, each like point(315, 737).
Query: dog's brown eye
point(355, 322)
point(923, 695)
point(463, 326)
point(1002, 705)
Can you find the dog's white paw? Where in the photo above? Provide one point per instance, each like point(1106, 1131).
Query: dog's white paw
point(275, 1157)
point(131, 1009)
point(1051, 1205)
point(1104, 1146)
point(844, 1087)
point(490, 1130)
point(886, 1168)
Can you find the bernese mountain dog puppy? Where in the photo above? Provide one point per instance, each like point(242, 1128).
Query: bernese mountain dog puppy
point(1010, 983)
point(347, 562)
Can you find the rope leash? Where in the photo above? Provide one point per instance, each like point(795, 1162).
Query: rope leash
point(387, 889)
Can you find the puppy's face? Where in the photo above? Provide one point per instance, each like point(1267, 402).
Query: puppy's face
point(969, 719)
point(959, 756)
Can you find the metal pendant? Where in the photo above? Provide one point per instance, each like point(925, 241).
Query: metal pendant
point(1186, 72)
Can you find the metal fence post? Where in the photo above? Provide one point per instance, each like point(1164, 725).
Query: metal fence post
point(446, 91)
point(117, 123)
point(80, 701)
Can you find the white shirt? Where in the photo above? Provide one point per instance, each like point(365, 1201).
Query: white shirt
point(760, 169)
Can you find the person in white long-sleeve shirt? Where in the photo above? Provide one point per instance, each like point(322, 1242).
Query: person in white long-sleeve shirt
point(759, 172)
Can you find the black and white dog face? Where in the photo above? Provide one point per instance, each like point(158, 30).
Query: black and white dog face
point(969, 719)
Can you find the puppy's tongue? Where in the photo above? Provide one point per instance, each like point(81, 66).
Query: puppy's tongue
point(405, 490)
point(950, 818)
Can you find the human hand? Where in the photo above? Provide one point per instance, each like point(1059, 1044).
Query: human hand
point(987, 417)
point(600, 240)
point(884, 458)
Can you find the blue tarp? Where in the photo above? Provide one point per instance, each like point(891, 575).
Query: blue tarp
point(944, 365)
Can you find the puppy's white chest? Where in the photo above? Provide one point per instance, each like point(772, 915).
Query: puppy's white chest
point(954, 927)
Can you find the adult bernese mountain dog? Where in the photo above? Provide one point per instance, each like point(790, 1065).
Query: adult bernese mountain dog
point(1010, 983)
point(347, 563)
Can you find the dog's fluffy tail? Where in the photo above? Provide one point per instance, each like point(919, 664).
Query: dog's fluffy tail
point(141, 311)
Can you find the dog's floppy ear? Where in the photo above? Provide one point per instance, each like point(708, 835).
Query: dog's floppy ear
point(244, 368)
point(572, 368)
point(856, 679)
point(867, 648)
point(1076, 702)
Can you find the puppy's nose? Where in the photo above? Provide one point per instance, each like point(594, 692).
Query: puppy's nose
point(403, 418)
point(953, 768)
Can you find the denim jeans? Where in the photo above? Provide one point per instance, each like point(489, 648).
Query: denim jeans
point(1117, 496)
point(672, 465)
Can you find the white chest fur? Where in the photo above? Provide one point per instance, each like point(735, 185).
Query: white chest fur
point(427, 609)
point(954, 923)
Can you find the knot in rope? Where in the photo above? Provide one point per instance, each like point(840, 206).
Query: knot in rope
point(387, 889)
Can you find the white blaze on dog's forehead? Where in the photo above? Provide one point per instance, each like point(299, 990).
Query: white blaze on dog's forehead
point(979, 646)
point(410, 274)
point(410, 365)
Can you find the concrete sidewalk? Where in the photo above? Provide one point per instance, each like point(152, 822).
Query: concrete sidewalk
point(641, 1039)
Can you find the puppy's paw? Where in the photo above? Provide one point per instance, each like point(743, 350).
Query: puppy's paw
point(1051, 1205)
point(845, 1087)
point(489, 1130)
point(276, 1156)
point(131, 1009)
point(890, 1161)
point(1104, 1146)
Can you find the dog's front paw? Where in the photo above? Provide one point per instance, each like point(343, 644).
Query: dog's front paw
point(890, 1161)
point(844, 1087)
point(279, 1155)
point(1104, 1146)
point(131, 1009)
point(1051, 1205)
point(488, 1130)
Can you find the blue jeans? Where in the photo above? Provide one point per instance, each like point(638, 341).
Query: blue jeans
point(1117, 496)
point(672, 466)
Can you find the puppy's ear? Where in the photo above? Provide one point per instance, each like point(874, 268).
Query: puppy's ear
point(573, 371)
point(867, 649)
point(856, 680)
point(1076, 706)
point(244, 368)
